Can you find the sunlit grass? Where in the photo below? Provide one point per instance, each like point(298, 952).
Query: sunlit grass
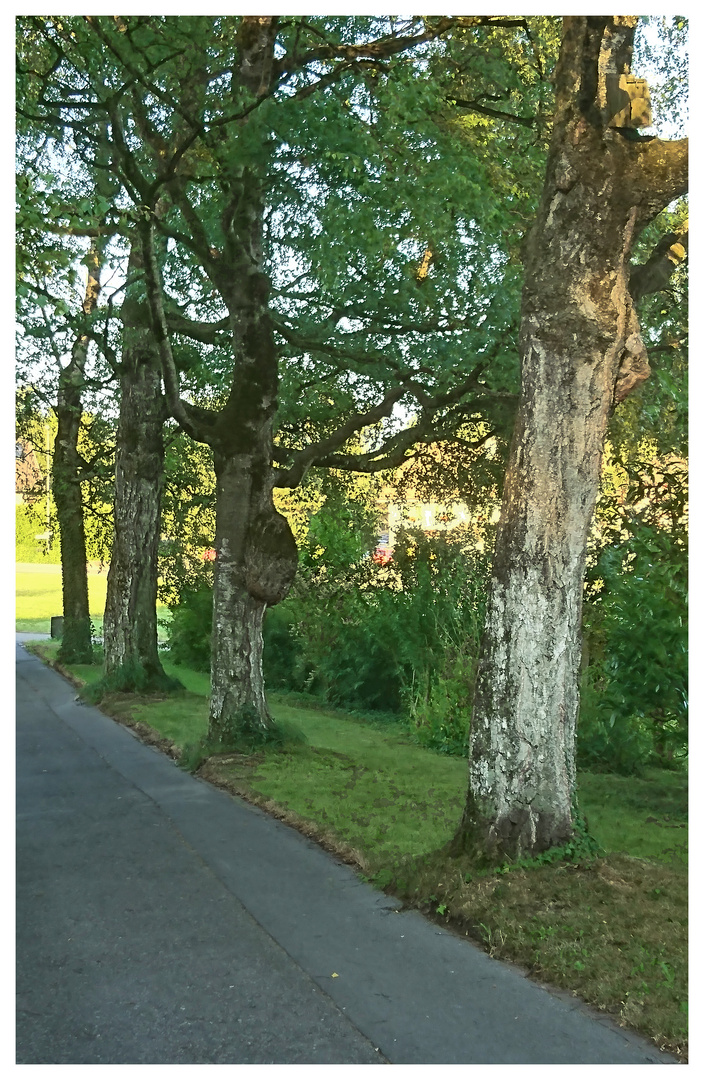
point(38, 597)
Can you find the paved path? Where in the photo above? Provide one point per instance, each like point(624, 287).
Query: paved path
point(160, 920)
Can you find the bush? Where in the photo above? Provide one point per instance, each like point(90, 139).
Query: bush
point(190, 629)
point(396, 639)
point(283, 661)
point(634, 707)
point(440, 711)
point(607, 742)
point(353, 647)
point(30, 520)
point(400, 638)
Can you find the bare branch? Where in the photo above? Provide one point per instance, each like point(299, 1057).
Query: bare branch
point(653, 276)
point(485, 110)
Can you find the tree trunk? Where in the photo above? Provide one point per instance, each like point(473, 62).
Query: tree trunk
point(130, 628)
point(581, 353)
point(77, 643)
point(254, 566)
point(256, 555)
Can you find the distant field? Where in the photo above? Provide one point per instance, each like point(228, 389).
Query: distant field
point(38, 597)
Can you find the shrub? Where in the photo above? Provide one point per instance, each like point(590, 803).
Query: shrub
point(607, 742)
point(190, 629)
point(440, 710)
point(30, 521)
point(634, 706)
point(400, 638)
point(284, 661)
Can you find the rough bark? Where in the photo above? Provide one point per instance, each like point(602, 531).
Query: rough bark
point(130, 627)
point(581, 354)
point(256, 554)
point(254, 567)
point(76, 644)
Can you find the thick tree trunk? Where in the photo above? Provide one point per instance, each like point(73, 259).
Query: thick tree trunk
point(130, 628)
point(581, 353)
point(256, 556)
point(254, 566)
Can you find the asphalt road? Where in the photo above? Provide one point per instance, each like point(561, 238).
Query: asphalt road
point(161, 921)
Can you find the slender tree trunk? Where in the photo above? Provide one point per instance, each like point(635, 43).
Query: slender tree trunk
point(581, 354)
point(130, 628)
point(76, 644)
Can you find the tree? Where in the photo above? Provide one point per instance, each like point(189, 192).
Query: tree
point(221, 177)
point(582, 353)
point(56, 323)
point(53, 61)
point(221, 163)
point(76, 643)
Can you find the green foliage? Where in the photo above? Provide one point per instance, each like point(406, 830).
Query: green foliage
point(188, 522)
point(602, 743)
point(662, 47)
point(440, 714)
point(190, 629)
point(400, 638)
point(580, 850)
point(284, 661)
point(634, 705)
point(30, 521)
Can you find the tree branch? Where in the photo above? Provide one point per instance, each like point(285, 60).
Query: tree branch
point(474, 106)
point(653, 276)
point(306, 458)
point(195, 421)
point(200, 331)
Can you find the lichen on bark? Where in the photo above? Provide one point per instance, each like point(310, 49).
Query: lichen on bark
point(581, 353)
point(130, 625)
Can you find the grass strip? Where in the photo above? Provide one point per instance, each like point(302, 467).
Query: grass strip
point(613, 930)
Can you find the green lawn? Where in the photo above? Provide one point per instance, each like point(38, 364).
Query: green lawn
point(38, 597)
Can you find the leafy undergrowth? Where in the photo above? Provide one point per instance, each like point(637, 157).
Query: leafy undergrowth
point(613, 930)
